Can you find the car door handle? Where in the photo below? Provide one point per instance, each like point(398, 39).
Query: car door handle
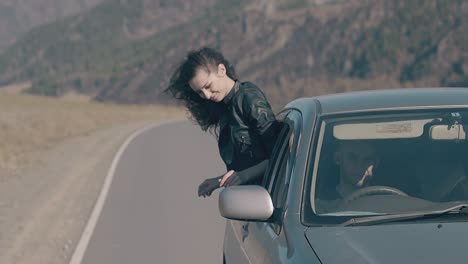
point(245, 231)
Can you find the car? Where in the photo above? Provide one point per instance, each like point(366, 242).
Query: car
point(362, 177)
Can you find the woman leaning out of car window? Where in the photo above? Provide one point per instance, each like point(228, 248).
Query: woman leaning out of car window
point(238, 113)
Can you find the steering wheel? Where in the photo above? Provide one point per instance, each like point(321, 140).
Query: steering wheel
point(372, 190)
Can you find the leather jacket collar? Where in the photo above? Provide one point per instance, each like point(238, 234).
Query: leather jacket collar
point(228, 98)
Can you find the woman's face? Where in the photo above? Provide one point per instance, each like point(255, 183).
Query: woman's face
point(213, 85)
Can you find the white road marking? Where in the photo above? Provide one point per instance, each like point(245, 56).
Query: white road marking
point(89, 229)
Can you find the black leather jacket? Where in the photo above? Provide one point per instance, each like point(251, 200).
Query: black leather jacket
point(248, 129)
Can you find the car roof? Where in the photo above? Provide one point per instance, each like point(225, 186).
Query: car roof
point(379, 100)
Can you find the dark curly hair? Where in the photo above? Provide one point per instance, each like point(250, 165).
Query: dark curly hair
point(204, 112)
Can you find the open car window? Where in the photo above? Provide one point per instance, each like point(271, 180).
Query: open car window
point(386, 164)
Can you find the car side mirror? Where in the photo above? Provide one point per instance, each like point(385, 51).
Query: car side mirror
point(246, 203)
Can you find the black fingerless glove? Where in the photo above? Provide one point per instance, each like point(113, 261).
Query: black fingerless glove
point(249, 175)
point(208, 186)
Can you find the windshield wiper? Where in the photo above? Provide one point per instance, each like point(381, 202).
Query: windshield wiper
point(372, 220)
point(352, 213)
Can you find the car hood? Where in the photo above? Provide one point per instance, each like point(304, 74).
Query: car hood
point(391, 243)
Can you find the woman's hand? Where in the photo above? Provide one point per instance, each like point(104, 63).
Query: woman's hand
point(208, 186)
point(367, 174)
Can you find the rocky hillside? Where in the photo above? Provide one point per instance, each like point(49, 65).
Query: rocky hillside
point(19, 16)
point(124, 51)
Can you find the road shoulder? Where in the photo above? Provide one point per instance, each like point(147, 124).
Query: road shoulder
point(44, 209)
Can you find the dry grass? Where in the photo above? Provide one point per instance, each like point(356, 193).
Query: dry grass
point(30, 123)
point(15, 88)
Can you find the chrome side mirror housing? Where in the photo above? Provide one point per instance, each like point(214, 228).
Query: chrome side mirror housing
point(248, 203)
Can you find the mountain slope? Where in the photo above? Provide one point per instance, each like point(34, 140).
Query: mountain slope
point(19, 16)
point(124, 51)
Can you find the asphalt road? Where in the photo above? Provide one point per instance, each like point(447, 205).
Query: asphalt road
point(152, 213)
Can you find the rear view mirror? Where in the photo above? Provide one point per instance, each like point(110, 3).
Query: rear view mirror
point(445, 132)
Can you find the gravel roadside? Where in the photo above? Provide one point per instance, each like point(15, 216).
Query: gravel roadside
point(44, 208)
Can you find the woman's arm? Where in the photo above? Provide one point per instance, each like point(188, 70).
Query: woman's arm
point(248, 175)
point(232, 178)
point(259, 116)
point(209, 185)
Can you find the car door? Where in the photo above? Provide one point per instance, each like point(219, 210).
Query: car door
point(241, 244)
point(260, 237)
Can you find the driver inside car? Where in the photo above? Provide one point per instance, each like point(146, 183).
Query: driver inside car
point(356, 161)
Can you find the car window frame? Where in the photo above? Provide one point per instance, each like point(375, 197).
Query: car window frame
point(289, 157)
point(278, 149)
point(278, 145)
point(283, 157)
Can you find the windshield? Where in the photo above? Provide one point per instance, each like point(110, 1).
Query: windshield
point(387, 164)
